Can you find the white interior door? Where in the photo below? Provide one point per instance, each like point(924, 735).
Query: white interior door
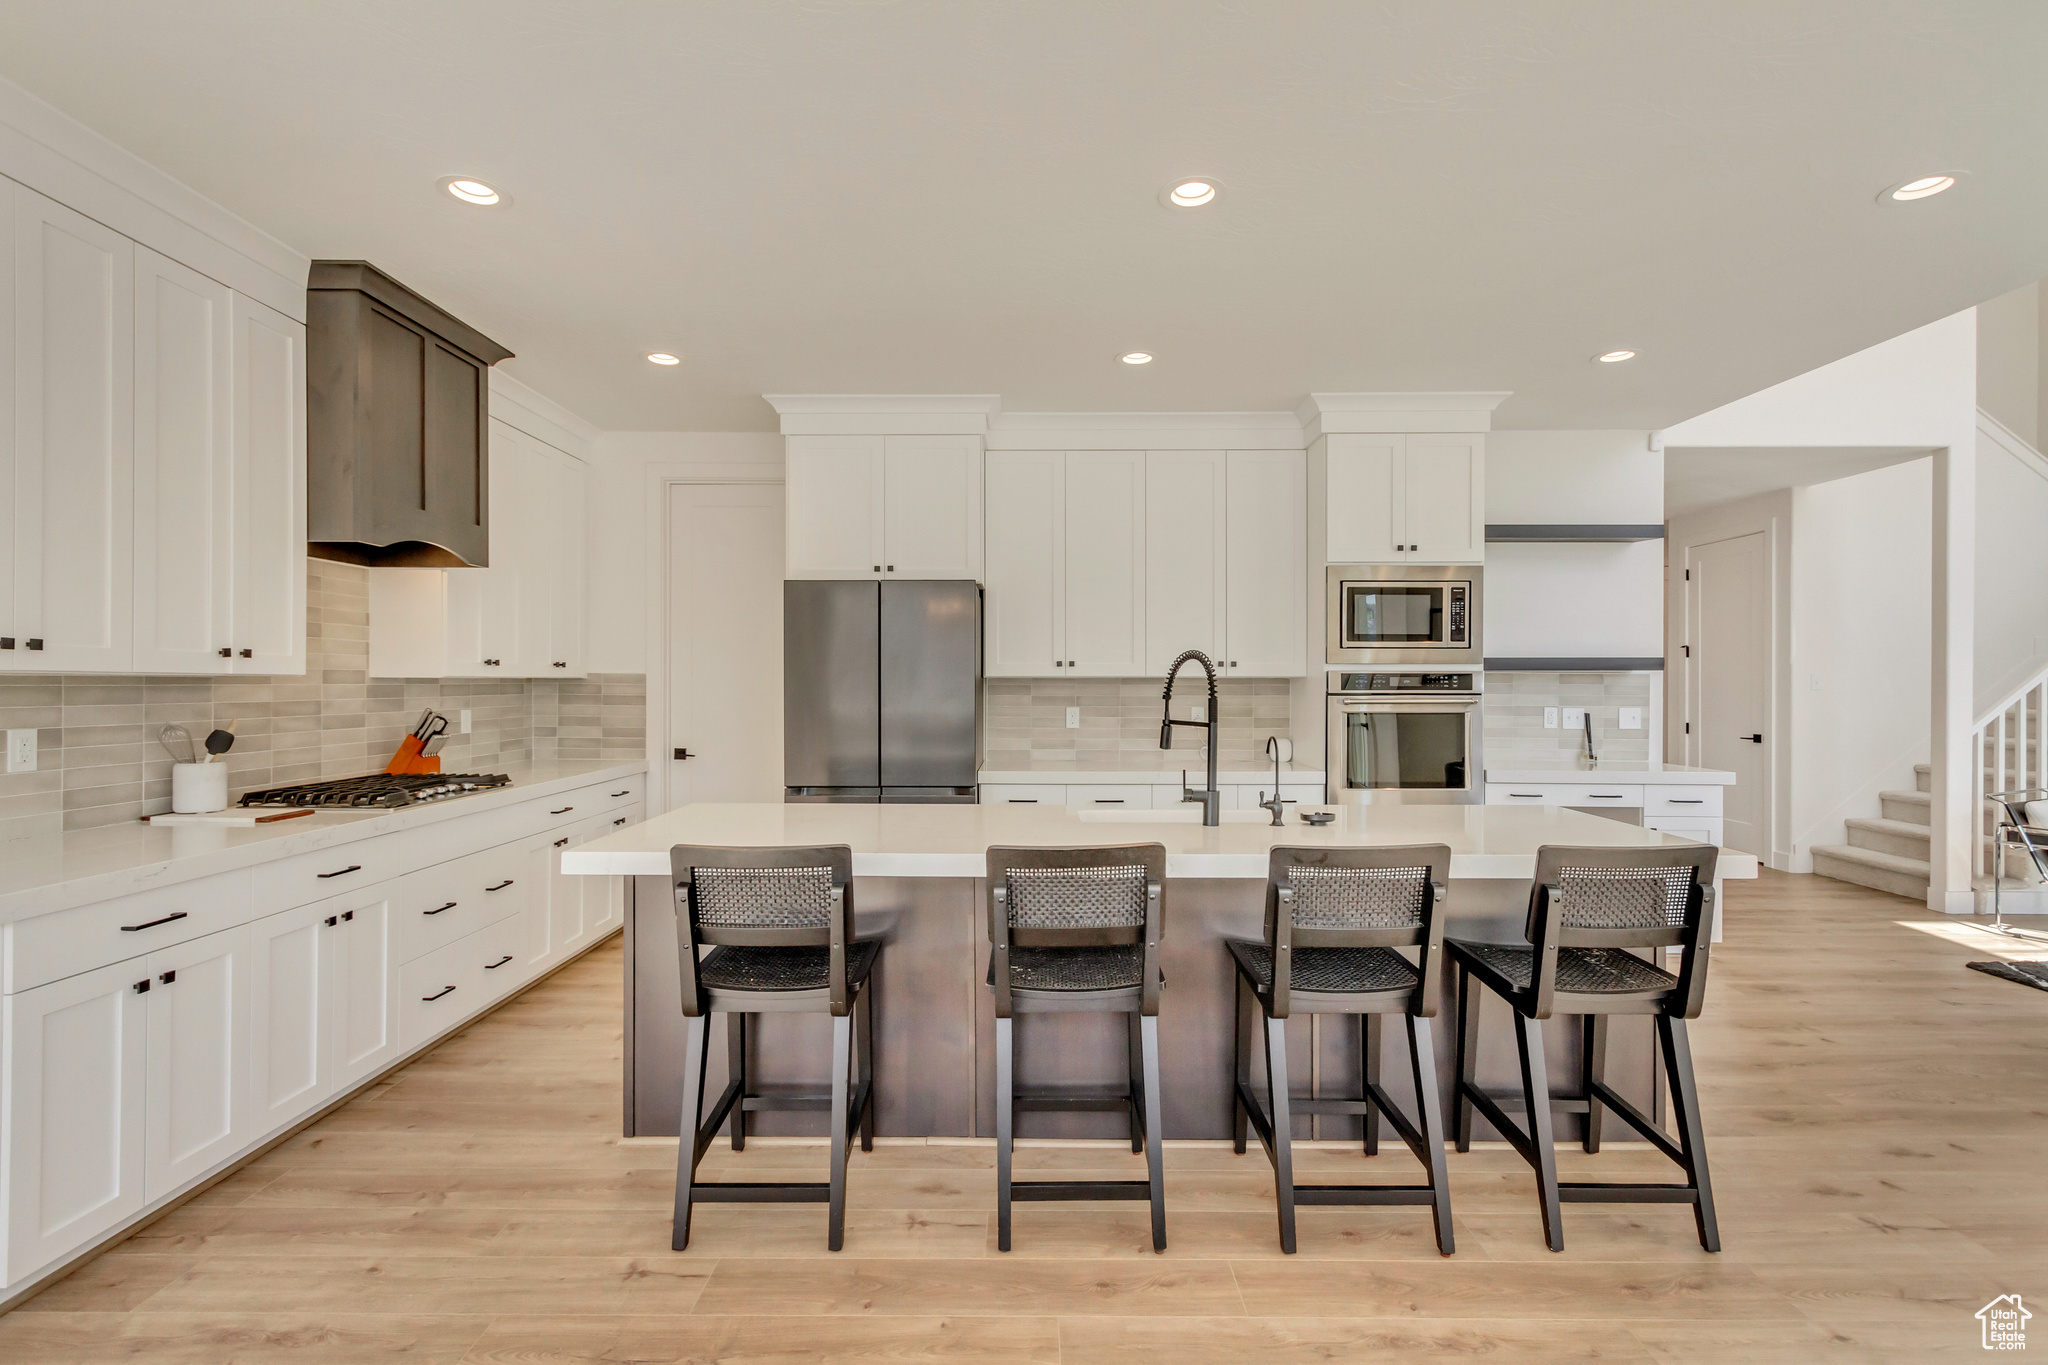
point(1184, 556)
point(1728, 613)
point(725, 561)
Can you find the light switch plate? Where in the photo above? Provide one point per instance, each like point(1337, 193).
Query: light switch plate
point(1574, 717)
point(465, 722)
point(21, 751)
point(1550, 717)
point(1073, 717)
point(1631, 717)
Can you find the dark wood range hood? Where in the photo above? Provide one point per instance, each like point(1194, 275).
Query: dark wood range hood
point(398, 423)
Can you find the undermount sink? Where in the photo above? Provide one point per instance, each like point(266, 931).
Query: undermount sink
point(1191, 814)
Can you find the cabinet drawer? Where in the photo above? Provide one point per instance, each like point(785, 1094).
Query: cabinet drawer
point(309, 877)
point(1705, 831)
point(1104, 797)
point(613, 796)
point(1683, 802)
point(498, 960)
point(437, 992)
point(431, 908)
point(52, 947)
point(1595, 794)
point(1020, 795)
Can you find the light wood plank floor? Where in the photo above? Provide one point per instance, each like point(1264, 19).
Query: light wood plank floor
point(1876, 1118)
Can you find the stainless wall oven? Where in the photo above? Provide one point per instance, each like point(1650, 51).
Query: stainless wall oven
point(1404, 614)
point(1405, 738)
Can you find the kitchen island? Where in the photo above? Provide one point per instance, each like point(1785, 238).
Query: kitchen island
point(919, 885)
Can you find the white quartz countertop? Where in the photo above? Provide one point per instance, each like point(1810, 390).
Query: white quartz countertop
point(1646, 774)
point(54, 872)
point(952, 841)
point(1080, 774)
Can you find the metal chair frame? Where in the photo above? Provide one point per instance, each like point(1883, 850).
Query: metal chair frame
point(2011, 830)
point(845, 997)
point(1540, 999)
point(1139, 1003)
point(1280, 998)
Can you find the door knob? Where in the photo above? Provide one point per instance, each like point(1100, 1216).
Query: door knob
point(684, 753)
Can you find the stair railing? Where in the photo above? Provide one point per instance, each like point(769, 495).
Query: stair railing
point(2009, 749)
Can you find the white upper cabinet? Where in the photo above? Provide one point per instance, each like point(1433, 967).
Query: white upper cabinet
point(867, 506)
point(1024, 598)
point(268, 622)
point(184, 470)
point(1105, 563)
point(1416, 497)
point(1185, 555)
point(1266, 595)
point(563, 575)
point(69, 521)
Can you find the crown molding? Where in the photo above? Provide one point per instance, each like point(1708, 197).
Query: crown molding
point(539, 416)
point(900, 414)
point(1145, 431)
point(1323, 414)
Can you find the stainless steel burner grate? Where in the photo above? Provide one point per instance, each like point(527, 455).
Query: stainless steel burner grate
point(378, 790)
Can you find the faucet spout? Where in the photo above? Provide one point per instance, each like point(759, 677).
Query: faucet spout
point(1211, 797)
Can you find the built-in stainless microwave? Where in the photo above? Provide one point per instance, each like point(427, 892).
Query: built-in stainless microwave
point(1382, 614)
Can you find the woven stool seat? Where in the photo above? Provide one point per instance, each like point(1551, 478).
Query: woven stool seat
point(784, 969)
point(1349, 970)
point(1120, 967)
point(1583, 971)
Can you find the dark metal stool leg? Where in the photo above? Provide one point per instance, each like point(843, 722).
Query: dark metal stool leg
point(1283, 1128)
point(1136, 1090)
point(696, 1043)
point(866, 1026)
point(1468, 1058)
point(1422, 1057)
point(1594, 1070)
point(736, 1070)
point(1241, 1047)
point(1155, 1156)
point(1542, 1132)
point(1692, 1138)
point(1005, 1093)
point(842, 1136)
point(1369, 1065)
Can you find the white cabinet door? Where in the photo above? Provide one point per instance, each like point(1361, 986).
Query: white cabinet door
point(268, 633)
point(1267, 573)
point(1023, 602)
point(1105, 564)
point(195, 1108)
point(74, 1101)
point(518, 605)
point(536, 941)
point(569, 926)
point(1185, 539)
point(1361, 503)
point(72, 494)
point(566, 576)
point(184, 470)
point(365, 995)
point(1443, 498)
point(291, 1009)
point(835, 487)
point(12, 514)
point(932, 507)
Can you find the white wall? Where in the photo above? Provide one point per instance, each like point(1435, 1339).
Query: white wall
point(622, 463)
point(2009, 361)
point(2012, 564)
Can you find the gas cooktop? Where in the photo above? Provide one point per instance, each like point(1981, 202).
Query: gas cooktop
point(379, 790)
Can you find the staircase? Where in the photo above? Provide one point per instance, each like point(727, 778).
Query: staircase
point(1889, 852)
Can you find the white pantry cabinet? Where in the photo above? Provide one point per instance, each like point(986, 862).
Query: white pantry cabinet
point(1405, 498)
point(1065, 539)
point(867, 506)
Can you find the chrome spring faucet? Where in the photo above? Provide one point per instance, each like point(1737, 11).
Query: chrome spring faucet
point(1212, 798)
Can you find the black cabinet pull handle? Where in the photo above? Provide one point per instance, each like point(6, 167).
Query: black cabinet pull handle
point(1023, 800)
point(449, 906)
point(878, 568)
point(1686, 800)
point(333, 920)
point(560, 842)
point(349, 915)
point(563, 811)
point(500, 886)
point(352, 867)
point(627, 792)
point(35, 644)
point(248, 653)
point(1536, 795)
point(493, 966)
point(226, 653)
point(1109, 800)
point(142, 986)
point(684, 753)
point(167, 978)
point(436, 995)
point(1753, 739)
point(151, 924)
point(1605, 796)
point(892, 568)
point(6, 642)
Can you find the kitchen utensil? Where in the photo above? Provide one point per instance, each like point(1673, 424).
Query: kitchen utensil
point(433, 746)
point(420, 727)
point(220, 741)
point(436, 727)
point(172, 735)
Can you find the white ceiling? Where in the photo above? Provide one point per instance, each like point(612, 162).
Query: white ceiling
point(960, 196)
point(1697, 477)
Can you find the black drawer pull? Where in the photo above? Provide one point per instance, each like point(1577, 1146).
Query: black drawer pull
point(1534, 796)
point(1605, 796)
point(1023, 800)
point(493, 966)
point(620, 821)
point(142, 986)
point(500, 886)
point(167, 978)
point(436, 995)
point(627, 792)
point(35, 644)
point(333, 920)
point(563, 811)
point(151, 924)
point(449, 906)
point(226, 653)
point(348, 915)
point(560, 842)
point(352, 867)
point(1686, 800)
point(1109, 800)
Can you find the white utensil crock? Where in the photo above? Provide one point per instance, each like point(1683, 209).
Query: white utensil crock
point(197, 788)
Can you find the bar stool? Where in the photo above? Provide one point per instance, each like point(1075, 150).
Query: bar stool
point(1334, 917)
point(1587, 908)
point(1076, 930)
point(779, 922)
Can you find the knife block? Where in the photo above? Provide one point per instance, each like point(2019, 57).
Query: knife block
point(408, 759)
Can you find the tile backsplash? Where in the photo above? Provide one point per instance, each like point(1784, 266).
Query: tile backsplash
point(99, 763)
point(1514, 717)
point(1026, 722)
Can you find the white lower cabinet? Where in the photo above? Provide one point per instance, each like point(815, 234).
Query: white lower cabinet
point(291, 1063)
point(437, 992)
point(365, 1005)
point(195, 1110)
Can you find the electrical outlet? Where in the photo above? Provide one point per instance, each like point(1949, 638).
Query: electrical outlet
point(1073, 717)
point(1550, 717)
point(21, 751)
point(1631, 717)
point(1574, 717)
point(464, 722)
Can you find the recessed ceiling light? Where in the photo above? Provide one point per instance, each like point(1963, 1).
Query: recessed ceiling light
point(664, 358)
point(1191, 194)
point(1614, 357)
point(471, 191)
point(1926, 187)
point(1136, 357)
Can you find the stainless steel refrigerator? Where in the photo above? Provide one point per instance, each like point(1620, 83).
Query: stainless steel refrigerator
point(881, 690)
